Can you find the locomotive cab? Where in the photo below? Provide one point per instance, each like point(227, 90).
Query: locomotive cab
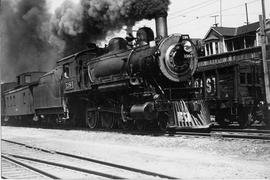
point(75, 75)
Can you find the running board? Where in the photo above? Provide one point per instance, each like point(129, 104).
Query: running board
point(195, 116)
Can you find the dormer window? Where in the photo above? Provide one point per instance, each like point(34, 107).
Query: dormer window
point(211, 48)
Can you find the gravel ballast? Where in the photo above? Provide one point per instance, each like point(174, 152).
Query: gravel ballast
point(183, 157)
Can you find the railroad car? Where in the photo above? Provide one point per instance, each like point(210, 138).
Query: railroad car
point(48, 99)
point(5, 87)
point(18, 105)
point(232, 84)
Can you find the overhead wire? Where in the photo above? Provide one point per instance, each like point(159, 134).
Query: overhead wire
point(191, 8)
point(207, 15)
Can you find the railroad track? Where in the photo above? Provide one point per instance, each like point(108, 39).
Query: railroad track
point(212, 132)
point(229, 133)
point(232, 132)
point(59, 164)
point(12, 169)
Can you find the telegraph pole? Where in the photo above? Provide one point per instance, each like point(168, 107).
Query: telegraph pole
point(265, 61)
point(220, 9)
point(246, 13)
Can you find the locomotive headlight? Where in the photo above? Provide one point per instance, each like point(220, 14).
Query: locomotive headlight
point(187, 46)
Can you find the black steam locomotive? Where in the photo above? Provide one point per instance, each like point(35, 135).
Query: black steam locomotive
point(126, 84)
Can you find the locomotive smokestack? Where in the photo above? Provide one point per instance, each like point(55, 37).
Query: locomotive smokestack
point(161, 25)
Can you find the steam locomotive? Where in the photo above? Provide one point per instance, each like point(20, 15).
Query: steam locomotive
point(127, 84)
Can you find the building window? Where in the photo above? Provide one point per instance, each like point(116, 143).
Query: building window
point(238, 43)
point(24, 98)
point(18, 80)
point(211, 48)
point(250, 41)
point(242, 78)
point(27, 78)
point(249, 78)
point(216, 45)
point(229, 45)
point(207, 49)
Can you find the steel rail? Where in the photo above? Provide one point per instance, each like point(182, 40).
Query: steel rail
point(226, 134)
point(241, 130)
point(30, 167)
point(67, 167)
point(131, 169)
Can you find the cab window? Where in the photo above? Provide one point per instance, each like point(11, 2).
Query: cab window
point(66, 71)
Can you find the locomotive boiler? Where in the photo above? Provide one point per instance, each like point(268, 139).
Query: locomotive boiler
point(145, 83)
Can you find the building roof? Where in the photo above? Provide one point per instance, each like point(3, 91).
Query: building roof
point(211, 37)
point(225, 31)
point(231, 31)
point(247, 28)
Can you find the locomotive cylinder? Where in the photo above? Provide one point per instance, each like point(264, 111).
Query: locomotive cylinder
point(161, 25)
point(143, 111)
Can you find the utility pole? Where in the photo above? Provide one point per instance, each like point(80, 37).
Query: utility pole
point(215, 16)
point(246, 13)
point(220, 9)
point(265, 61)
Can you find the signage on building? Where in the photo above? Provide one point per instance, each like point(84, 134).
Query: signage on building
point(215, 61)
point(232, 58)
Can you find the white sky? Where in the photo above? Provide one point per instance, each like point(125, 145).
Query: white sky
point(194, 17)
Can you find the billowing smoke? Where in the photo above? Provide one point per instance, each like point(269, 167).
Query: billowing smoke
point(25, 37)
point(32, 39)
point(91, 20)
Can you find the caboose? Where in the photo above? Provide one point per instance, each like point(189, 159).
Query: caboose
point(18, 104)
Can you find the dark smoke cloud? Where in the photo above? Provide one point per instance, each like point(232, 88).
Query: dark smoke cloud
point(31, 38)
point(91, 20)
point(25, 37)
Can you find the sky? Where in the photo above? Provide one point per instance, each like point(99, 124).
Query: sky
point(197, 16)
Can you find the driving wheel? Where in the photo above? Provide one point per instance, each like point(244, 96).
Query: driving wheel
point(106, 120)
point(92, 119)
point(126, 121)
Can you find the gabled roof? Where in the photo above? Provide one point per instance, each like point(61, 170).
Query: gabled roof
point(225, 31)
point(211, 37)
point(231, 31)
point(247, 28)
